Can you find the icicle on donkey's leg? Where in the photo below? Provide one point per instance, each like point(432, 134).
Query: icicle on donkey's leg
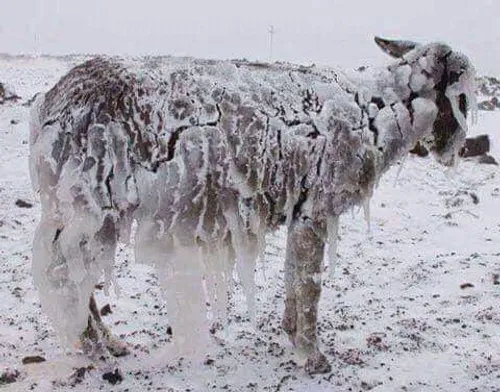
point(97, 339)
point(66, 258)
point(304, 263)
point(50, 277)
point(101, 204)
point(106, 239)
point(186, 299)
point(332, 228)
point(58, 294)
point(289, 322)
point(219, 261)
point(246, 261)
point(76, 239)
point(247, 248)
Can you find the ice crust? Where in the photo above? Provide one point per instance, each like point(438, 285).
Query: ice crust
point(206, 157)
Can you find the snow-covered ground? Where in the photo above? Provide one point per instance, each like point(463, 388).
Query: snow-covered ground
point(414, 305)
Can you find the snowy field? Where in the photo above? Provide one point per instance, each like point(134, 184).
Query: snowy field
point(414, 305)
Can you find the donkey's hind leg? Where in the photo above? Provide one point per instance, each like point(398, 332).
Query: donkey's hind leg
point(97, 333)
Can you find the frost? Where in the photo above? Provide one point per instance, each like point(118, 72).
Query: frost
point(205, 158)
point(372, 110)
point(366, 211)
point(400, 169)
point(182, 278)
point(424, 114)
point(333, 235)
point(457, 113)
point(65, 271)
point(466, 84)
point(418, 81)
point(247, 250)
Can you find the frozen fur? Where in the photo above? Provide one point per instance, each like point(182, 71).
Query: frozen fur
point(208, 156)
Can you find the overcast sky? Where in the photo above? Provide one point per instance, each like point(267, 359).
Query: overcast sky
point(310, 31)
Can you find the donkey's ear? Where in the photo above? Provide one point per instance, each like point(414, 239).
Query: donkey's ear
point(395, 48)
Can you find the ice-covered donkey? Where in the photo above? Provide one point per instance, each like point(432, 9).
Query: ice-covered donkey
point(208, 156)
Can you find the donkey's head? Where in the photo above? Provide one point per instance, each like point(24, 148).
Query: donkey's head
point(438, 74)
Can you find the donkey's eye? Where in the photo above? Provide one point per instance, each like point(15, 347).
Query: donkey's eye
point(454, 77)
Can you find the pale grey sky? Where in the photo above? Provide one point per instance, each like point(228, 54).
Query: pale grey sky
point(321, 31)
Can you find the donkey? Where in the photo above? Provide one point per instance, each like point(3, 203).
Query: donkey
point(206, 157)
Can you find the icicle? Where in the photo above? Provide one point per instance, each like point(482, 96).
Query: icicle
point(471, 99)
point(109, 280)
point(177, 186)
point(186, 301)
point(245, 265)
point(263, 268)
point(451, 174)
point(332, 228)
point(465, 85)
point(246, 246)
point(469, 87)
point(116, 287)
point(366, 210)
point(400, 169)
point(459, 116)
point(218, 274)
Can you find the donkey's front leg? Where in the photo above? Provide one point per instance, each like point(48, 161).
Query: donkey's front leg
point(289, 322)
point(305, 251)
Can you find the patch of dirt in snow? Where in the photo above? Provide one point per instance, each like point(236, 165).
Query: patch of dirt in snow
point(412, 306)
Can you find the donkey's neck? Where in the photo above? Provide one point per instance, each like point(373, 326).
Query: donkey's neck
point(397, 116)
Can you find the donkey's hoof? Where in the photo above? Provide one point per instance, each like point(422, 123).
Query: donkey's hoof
point(117, 348)
point(317, 363)
point(289, 325)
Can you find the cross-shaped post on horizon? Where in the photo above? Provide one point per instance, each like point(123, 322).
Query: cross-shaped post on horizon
point(271, 38)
